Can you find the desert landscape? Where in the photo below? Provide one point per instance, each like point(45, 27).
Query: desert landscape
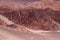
point(36, 18)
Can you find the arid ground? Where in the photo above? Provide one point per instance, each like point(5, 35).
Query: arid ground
point(36, 20)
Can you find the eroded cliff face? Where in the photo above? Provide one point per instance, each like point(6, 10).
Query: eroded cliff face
point(32, 18)
point(37, 19)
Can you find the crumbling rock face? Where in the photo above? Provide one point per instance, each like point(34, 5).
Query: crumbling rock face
point(37, 19)
point(20, 16)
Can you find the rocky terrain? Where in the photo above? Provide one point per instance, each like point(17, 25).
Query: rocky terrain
point(30, 16)
point(39, 20)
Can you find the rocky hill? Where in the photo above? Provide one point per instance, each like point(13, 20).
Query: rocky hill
point(31, 17)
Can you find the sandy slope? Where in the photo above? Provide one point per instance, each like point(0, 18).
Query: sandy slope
point(8, 34)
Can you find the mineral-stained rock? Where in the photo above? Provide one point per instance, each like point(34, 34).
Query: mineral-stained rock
point(34, 18)
point(1, 22)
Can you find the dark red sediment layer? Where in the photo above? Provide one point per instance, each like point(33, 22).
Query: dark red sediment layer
point(34, 18)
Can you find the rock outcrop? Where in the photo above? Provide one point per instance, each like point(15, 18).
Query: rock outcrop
point(33, 18)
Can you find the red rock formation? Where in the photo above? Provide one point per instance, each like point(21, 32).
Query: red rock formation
point(33, 18)
point(1, 22)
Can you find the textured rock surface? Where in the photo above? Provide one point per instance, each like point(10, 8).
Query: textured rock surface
point(33, 18)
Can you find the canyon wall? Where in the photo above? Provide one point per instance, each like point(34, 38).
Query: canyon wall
point(33, 17)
